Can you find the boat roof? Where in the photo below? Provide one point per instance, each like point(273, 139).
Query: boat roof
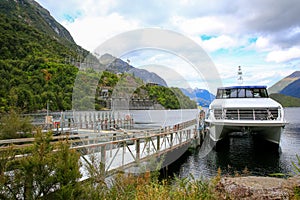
point(245, 87)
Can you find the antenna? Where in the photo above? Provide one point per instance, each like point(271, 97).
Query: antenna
point(240, 76)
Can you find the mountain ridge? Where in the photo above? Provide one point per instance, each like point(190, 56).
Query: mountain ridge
point(202, 96)
point(287, 90)
point(117, 65)
point(279, 86)
point(34, 15)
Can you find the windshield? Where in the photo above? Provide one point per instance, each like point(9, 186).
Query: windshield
point(242, 93)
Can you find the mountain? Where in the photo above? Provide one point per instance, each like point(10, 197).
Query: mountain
point(201, 96)
point(35, 59)
point(39, 63)
point(117, 65)
point(289, 85)
point(287, 90)
point(28, 31)
point(31, 13)
point(293, 89)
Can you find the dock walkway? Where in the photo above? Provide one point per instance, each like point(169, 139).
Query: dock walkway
point(124, 149)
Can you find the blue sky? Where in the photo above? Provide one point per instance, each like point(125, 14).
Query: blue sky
point(262, 36)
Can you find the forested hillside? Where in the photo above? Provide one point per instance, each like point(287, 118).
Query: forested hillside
point(37, 65)
point(32, 67)
point(286, 101)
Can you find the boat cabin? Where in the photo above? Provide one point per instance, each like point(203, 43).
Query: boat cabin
point(242, 92)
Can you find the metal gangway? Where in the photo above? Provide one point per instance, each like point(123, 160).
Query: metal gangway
point(121, 150)
point(136, 152)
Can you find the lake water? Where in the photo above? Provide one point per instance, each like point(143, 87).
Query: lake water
point(241, 151)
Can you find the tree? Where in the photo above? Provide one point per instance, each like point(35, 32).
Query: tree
point(47, 168)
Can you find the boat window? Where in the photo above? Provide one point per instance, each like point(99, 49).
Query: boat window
point(226, 93)
point(233, 93)
point(263, 93)
point(256, 93)
point(219, 94)
point(249, 93)
point(241, 93)
point(260, 93)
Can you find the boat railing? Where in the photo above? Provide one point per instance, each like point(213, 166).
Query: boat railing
point(248, 113)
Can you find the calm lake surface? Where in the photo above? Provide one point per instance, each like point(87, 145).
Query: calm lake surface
point(240, 152)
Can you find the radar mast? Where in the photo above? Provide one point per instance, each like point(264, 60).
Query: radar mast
point(240, 76)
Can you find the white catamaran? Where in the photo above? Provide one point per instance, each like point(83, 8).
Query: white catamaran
point(240, 108)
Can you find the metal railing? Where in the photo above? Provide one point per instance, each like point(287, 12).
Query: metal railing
point(118, 150)
point(123, 153)
point(247, 114)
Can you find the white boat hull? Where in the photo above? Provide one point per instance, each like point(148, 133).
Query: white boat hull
point(268, 130)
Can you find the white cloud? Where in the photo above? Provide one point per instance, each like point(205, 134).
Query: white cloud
point(92, 31)
point(283, 55)
point(221, 42)
point(262, 43)
point(200, 25)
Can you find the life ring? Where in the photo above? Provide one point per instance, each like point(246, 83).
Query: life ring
point(56, 124)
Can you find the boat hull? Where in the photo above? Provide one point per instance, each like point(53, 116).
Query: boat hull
point(270, 130)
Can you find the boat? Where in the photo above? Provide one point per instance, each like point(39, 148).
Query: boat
point(245, 108)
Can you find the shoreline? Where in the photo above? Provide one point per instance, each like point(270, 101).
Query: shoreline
point(255, 187)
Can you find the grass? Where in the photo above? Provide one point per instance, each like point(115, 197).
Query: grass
point(148, 187)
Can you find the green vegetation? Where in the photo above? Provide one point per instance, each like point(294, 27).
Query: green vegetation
point(45, 168)
point(149, 187)
point(170, 98)
point(45, 174)
point(32, 69)
point(286, 101)
point(297, 165)
point(126, 84)
point(27, 86)
point(13, 126)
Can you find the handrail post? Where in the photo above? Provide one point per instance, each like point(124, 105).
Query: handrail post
point(102, 160)
point(180, 137)
point(137, 149)
point(158, 143)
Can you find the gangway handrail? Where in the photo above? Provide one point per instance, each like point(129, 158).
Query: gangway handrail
point(82, 135)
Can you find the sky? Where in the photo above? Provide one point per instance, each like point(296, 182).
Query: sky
point(261, 36)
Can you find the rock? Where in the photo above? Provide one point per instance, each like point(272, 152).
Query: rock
point(252, 187)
